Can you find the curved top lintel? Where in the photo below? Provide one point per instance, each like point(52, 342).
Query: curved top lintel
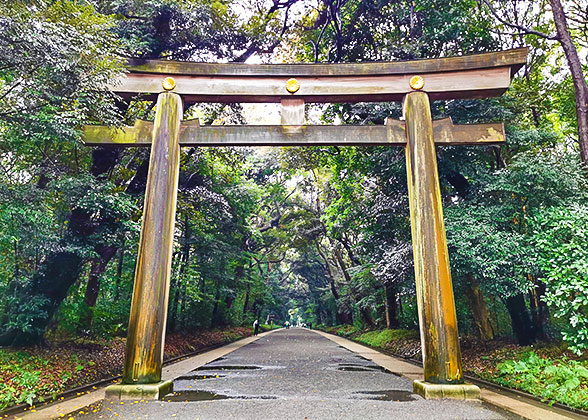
point(514, 58)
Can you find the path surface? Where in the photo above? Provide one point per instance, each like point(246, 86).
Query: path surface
point(292, 374)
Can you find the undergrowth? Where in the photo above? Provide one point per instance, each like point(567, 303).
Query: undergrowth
point(27, 377)
point(556, 379)
point(39, 374)
point(383, 337)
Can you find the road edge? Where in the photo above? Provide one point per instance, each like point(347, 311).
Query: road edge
point(63, 409)
point(530, 409)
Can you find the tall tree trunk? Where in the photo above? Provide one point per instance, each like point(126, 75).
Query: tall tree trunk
point(538, 309)
point(119, 270)
point(390, 305)
point(521, 322)
point(479, 309)
point(214, 320)
point(184, 261)
point(543, 310)
point(563, 34)
point(343, 316)
point(97, 268)
point(182, 314)
point(363, 311)
point(246, 304)
point(329, 272)
point(174, 297)
point(345, 242)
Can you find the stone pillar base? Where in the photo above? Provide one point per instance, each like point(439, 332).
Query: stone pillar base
point(154, 391)
point(431, 391)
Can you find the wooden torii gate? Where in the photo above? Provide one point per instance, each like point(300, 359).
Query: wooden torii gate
point(177, 84)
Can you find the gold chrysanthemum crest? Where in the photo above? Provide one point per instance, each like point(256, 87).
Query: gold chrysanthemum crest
point(417, 82)
point(168, 83)
point(292, 85)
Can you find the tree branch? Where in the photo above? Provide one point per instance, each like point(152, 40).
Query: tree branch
point(516, 26)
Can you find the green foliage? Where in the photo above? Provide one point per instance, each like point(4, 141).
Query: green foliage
point(394, 30)
point(28, 379)
point(346, 330)
point(497, 230)
point(268, 327)
point(56, 60)
point(561, 380)
point(381, 338)
point(560, 238)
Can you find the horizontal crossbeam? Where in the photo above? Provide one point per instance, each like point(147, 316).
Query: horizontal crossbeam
point(473, 76)
point(392, 134)
point(455, 85)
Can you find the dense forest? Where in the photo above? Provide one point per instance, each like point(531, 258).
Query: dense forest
point(315, 235)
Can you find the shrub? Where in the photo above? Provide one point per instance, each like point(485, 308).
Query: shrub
point(346, 330)
point(381, 338)
point(24, 377)
point(561, 380)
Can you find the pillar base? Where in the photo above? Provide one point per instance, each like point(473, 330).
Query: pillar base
point(154, 391)
point(431, 391)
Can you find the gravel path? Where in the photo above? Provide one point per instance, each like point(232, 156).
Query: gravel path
point(292, 374)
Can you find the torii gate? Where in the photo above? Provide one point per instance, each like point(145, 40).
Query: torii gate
point(176, 84)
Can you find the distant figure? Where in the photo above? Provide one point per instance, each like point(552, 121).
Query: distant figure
point(255, 327)
point(310, 325)
point(287, 325)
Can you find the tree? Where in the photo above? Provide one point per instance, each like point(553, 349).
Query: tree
point(567, 43)
point(561, 243)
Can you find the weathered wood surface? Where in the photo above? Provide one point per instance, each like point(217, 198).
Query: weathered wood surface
point(436, 305)
point(471, 76)
point(144, 347)
point(392, 134)
point(514, 58)
point(139, 134)
point(463, 84)
point(292, 112)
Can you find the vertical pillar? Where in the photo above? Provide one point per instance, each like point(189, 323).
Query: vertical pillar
point(144, 348)
point(436, 306)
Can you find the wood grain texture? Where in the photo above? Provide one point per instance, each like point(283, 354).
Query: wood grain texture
point(292, 112)
point(140, 134)
point(436, 305)
point(514, 58)
point(458, 84)
point(144, 347)
point(392, 134)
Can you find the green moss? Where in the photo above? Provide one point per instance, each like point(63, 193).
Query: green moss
point(267, 327)
point(346, 330)
point(383, 337)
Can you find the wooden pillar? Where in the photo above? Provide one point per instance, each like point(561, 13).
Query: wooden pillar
point(436, 306)
point(144, 349)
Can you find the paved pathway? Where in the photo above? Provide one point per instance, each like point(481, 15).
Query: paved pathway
point(292, 374)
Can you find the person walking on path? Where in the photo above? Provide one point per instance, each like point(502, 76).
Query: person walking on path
point(255, 327)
